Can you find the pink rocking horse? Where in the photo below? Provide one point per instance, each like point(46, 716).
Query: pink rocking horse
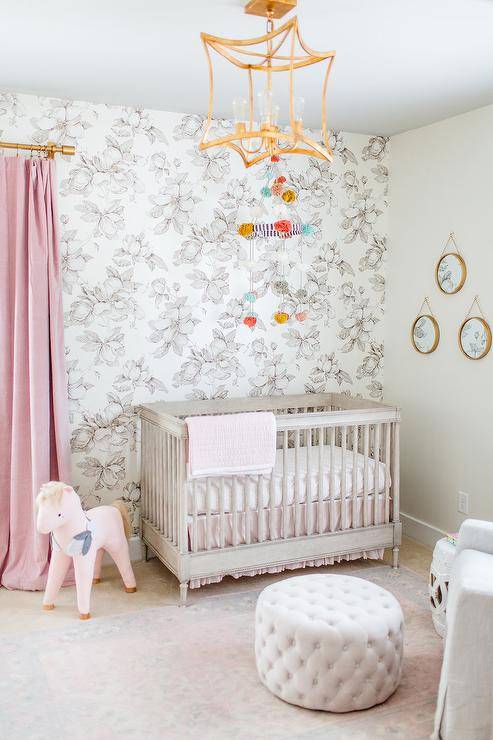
point(83, 537)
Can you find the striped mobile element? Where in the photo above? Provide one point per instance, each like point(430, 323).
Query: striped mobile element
point(269, 230)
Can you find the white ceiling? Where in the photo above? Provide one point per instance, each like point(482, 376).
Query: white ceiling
point(400, 63)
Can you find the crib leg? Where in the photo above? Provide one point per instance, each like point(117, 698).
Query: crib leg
point(183, 593)
point(395, 557)
point(146, 553)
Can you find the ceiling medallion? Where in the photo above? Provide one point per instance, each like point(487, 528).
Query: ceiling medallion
point(258, 133)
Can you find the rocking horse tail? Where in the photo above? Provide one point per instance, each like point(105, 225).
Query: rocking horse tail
point(118, 504)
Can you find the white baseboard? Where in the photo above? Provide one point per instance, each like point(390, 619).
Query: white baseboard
point(421, 531)
point(135, 548)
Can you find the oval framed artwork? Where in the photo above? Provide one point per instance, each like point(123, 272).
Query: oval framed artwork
point(425, 334)
point(475, 338)
point(451, 273)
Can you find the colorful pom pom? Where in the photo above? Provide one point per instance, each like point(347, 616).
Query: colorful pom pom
point(250, 321)
point(281, 179)
point(281, 286)
point(283, 226)
point(245, 230)
point(289, 196)
point(276, 189)
point(275, 158)
point(266, 191)
point(280, 317)
point(250, 297)
point(307, 229)
point(301, 316)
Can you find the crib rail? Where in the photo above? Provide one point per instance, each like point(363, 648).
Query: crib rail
point(337, 471)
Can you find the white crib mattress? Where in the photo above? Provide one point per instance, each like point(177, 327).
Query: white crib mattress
point(240, 487)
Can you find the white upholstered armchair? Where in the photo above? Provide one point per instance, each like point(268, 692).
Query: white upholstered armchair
point(465, 698)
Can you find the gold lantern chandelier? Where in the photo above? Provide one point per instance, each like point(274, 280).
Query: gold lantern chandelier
point(258, 133)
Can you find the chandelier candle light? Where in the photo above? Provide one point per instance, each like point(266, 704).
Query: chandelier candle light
point(279, 50)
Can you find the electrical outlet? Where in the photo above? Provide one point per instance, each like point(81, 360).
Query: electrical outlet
point(463, 502)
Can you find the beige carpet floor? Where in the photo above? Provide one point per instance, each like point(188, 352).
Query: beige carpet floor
point(168, 672)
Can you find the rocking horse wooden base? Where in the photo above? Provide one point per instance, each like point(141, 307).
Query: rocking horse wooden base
point(85, 616)
point(48, 607)
point(95, 581)
point(130, 590)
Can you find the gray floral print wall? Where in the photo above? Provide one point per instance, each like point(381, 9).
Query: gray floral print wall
point(153, 283)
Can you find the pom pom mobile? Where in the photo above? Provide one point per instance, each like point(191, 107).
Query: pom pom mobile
point(275, 188)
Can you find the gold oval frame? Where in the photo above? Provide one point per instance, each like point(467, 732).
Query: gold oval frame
point(437, 333)
point(488, 337)
point(464, 272)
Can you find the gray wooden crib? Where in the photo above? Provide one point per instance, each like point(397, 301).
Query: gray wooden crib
point(334, 491)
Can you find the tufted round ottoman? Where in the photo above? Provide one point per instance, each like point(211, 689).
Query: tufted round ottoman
point(329, 642)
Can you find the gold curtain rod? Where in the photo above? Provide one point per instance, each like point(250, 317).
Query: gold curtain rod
point(50, 148)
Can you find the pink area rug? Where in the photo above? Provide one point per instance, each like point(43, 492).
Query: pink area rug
point(190, 673)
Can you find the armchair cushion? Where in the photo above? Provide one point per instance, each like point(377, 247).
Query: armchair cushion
point(476, 534)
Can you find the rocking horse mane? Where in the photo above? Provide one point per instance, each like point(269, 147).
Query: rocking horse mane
point(52, 491)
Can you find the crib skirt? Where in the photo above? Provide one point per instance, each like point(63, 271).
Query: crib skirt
point(276, 526)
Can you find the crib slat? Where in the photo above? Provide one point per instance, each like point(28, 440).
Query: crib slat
point(157, 480)
point(272, 496)
point(366, 452)
point(194, 517)
point(234, 507)
point(174, 481)
point(166, 491)
point(153, 477)
point(181, 494)
point(354, 512)
point(169, 473)
point(260, 508)
point(246, 510)
point(161, 469)
point(332, 480)
point(321, 487)
point(297, 527)
point(343, 477)
point(149, 474)
point(285, 511)
point(144, 468)
point(165, 480)
point(222, 525)
point(387, 472)
point(208, 523)
point(376, 477)
point(169, 492)
point(308, 495)
point(396, 474)
point(162, 497)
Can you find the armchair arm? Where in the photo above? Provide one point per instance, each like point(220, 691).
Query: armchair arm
point(476, 534)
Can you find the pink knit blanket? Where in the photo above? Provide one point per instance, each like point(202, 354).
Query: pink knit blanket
point(233, 444)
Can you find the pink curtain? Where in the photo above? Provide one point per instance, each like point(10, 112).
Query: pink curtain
point(34, 441)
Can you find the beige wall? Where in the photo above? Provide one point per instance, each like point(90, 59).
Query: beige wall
point(442, 181)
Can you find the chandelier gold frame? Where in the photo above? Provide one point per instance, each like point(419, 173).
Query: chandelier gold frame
point(273, 58)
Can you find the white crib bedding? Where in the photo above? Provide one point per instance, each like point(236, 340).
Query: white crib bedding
point(247, 484)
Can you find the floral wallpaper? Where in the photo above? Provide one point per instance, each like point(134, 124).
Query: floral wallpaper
point(154, 282)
